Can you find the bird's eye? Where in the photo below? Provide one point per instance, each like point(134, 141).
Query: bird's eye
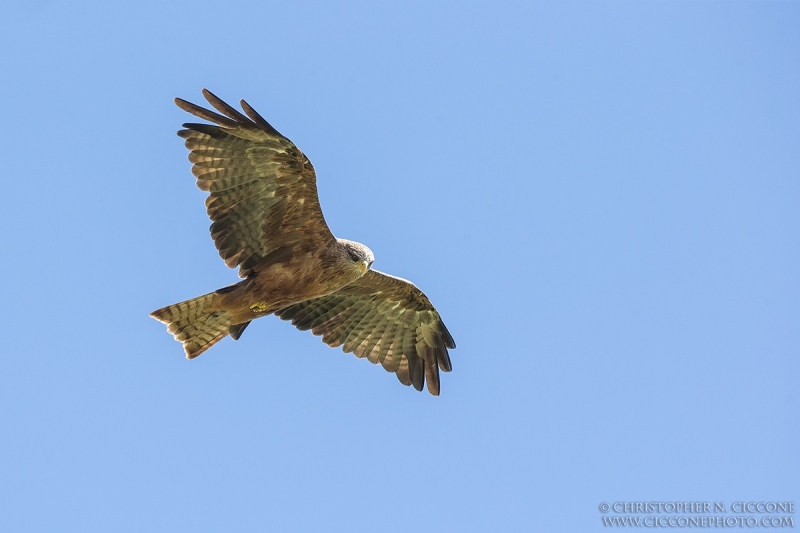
point(354, 257)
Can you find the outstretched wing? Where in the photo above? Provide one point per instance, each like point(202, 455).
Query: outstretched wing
point(262, 188)
point(385, 319)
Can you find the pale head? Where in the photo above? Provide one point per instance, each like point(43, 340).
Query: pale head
point(359, 255)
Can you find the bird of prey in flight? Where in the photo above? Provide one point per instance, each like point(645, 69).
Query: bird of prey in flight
point(266, 219)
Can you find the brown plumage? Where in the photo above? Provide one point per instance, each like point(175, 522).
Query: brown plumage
point(266, 220)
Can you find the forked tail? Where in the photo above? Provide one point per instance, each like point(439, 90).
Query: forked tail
point(196, 323)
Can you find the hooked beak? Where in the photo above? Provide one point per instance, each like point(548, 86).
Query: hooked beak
point(363, 266)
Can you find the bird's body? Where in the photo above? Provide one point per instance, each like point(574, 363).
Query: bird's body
point(267, 220)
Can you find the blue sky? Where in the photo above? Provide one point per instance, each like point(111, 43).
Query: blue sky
point(601, 198)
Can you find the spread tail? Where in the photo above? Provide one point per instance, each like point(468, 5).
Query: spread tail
point(196, 323)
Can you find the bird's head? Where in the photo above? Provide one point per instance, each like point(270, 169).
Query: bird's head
point(358, 254)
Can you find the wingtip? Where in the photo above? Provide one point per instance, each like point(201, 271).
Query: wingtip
point(206, 114)
point(183, 104)
point(208, 95)
point(258, 119)
point(212, 98)
point(433, 385)
point(447, 337)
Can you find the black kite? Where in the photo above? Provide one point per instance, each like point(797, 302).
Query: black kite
point(267, 221)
